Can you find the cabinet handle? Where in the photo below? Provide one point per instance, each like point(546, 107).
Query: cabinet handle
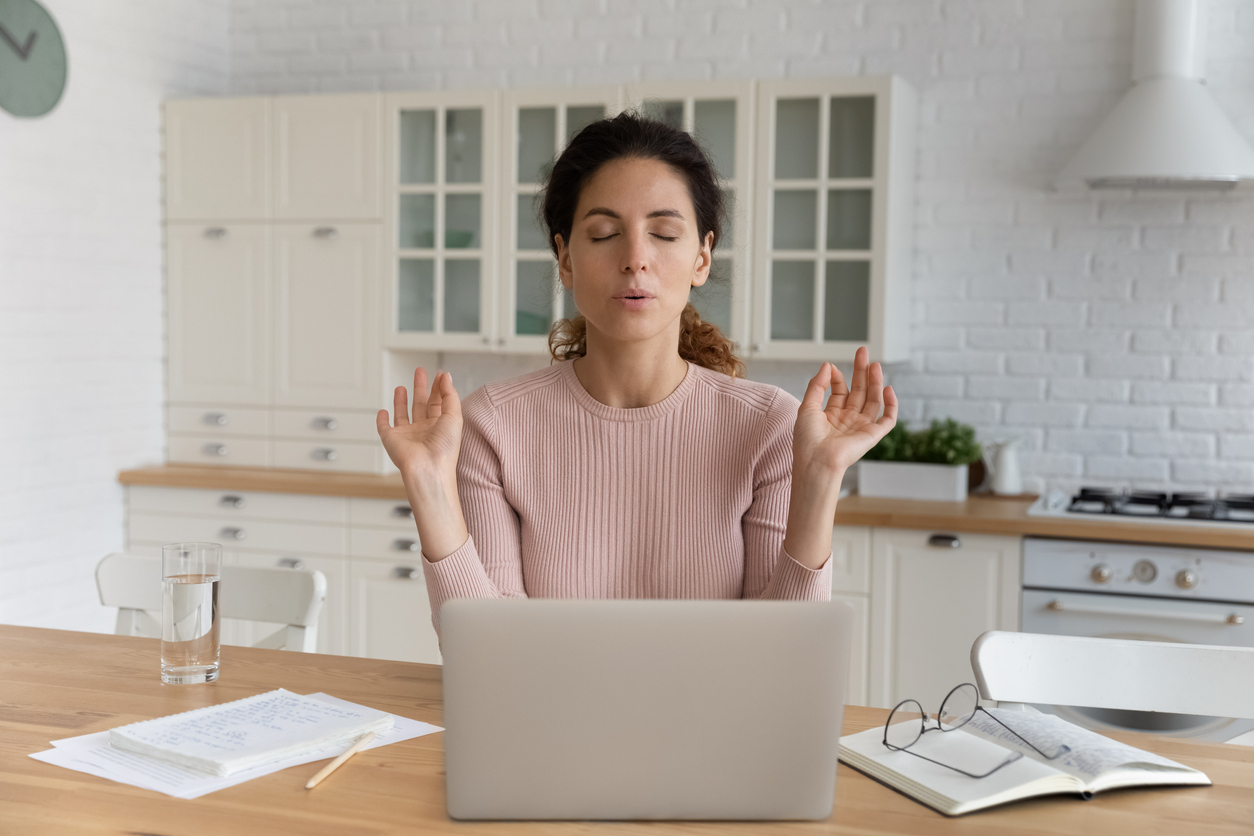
point(326, 232)
point(404, 545)
point(406, 573)
point(945, 541)
point(215, 232)
point(291, 563)
point(756, 347)
point(325, 454)
point(487, 341)
point(231, 501)
point(403, 511)
point(216, 419)
point(326, 424)
point(234, 533)
point(215, 449)
point(501, 341)
point(1234, 619)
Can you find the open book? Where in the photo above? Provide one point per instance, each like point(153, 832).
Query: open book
point(1095, 763)
point(222, 739)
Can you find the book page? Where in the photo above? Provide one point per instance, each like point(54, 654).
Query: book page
point(1091, 755)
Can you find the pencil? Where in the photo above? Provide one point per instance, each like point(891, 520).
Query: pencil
point(335, 764)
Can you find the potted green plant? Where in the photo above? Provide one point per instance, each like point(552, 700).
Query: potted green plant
point(927, 464)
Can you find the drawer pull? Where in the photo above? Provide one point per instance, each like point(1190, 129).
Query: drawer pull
point(326, 424)
point(403, 511)
point(326, 233)
point(325, 454)
point(406, 573)
point(291, 563)
point(404, 545)
point(234, 533)
point(213, 449)
point(231, 501)
point(216, 419)
point(215, 232)
point(945, 541)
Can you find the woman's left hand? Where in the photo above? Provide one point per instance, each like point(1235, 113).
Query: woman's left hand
point(826, 441)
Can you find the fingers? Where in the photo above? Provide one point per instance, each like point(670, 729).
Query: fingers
point(875, 392)
point(889, 419)
point(434, 398)
point(381, 422)
point(813, 397)
point(400, 406)
point(858, 385)
point(420, 390)
point(451, 403)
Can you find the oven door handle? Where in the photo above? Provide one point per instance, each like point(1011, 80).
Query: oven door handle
point(1057, 605)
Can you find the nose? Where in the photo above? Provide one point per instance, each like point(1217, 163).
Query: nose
point(635, 256)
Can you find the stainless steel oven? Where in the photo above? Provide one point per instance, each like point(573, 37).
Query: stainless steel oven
point(1134, 591)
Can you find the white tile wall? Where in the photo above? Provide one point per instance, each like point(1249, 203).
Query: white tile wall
point(81, 335)
point(1112, 332)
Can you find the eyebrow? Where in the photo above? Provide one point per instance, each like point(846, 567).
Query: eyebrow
point(610, 213)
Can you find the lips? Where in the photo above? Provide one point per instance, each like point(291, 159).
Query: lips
point(634, 293)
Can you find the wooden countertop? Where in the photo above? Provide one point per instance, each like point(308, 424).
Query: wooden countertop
point(977, 515)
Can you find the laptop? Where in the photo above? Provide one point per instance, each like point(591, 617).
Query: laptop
point(653, 709)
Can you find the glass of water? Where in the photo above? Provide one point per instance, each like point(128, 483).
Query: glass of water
point(190, 573)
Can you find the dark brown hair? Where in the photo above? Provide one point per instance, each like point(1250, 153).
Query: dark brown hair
point(626, 136)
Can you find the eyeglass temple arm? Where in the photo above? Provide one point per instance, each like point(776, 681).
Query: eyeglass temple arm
point(1062, 747)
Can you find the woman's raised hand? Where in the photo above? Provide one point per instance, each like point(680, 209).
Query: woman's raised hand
point(830, 439)
point(425, 446)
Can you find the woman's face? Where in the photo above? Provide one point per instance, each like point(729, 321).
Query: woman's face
point(634, 252)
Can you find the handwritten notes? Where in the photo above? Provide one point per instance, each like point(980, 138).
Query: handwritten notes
point(226, 738)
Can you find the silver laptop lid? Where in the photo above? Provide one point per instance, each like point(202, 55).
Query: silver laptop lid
point(560, 709)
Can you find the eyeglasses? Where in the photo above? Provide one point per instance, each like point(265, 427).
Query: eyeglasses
point(908, 722)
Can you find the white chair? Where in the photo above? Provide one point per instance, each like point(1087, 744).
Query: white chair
point(290, 597)
point(1115, 673)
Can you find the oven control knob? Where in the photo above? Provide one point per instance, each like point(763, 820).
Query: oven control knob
point(1101, 573)
point(1145, 571)
point(1186, 579)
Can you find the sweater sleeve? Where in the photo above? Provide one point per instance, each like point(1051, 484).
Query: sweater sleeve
point(489, 563)
point(770, 572)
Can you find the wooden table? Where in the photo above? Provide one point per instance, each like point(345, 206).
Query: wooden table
point(56, 684)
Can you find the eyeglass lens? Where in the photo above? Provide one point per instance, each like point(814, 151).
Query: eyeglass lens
point(959, 707)
point(905, 725)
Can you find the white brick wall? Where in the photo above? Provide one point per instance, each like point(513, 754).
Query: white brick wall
point(81, 306)
point(1089, 325)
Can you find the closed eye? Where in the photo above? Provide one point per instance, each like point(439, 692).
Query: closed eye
point(604, 237)
point(666, 237)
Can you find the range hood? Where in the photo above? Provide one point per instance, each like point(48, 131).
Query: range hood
point(1167, 131)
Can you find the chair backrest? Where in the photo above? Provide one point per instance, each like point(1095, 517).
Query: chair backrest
point(289, 597)
point(1115, 673)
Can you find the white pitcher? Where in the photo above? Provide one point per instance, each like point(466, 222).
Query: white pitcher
point(1002, 460)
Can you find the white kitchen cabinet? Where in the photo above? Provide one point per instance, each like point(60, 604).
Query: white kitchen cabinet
point(217, 159)
point(327, 157)
point(327, 348)
point(442, 219)
point(833, 218)
point(929, 602)
point(391, 613)
point(859, 675)
point(219, 313)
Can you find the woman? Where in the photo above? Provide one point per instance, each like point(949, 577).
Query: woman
point(639, 466)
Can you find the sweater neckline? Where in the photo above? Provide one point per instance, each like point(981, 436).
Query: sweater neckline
point(644, 413)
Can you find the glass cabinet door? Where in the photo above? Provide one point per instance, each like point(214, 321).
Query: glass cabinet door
point(720, 116)
point(538, 125)
point(832, 273)
point(442, 230)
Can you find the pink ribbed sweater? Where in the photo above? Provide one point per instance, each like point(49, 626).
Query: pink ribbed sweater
point(565, 497)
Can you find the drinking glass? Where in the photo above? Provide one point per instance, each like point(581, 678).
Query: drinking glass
point(190, 573)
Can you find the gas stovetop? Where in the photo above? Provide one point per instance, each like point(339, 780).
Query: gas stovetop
point(1196, 508)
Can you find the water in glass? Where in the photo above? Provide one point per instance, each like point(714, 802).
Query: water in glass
point(189, 634)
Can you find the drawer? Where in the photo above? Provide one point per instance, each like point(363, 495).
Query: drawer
point(333, 455)
point(219, 449)
point(218, 420)
point(386, 544)
point(237, 505)
point(388, 513)
point(326, 425)
point(237, 535)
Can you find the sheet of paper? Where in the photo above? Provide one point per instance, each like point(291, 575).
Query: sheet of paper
point(1091, 753)
point(91, 753)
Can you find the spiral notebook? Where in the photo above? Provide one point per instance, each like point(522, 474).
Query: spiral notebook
point(222, 739)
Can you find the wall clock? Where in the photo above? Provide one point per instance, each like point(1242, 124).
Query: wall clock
point(32, 59)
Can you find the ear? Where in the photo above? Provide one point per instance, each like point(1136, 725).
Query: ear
point(564, 271)
point(705, 259)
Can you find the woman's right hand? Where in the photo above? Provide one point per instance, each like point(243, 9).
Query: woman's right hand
point(426, 446)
